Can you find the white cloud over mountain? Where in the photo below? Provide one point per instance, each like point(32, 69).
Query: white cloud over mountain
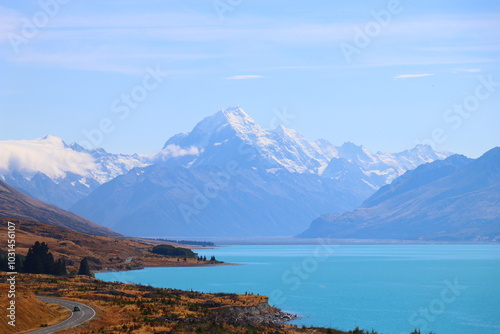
point(48, 155)
point(176, 151)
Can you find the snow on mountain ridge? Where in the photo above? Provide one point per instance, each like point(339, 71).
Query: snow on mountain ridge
point(326, 148)
point(282, 147)
point(246, 128)
point(292, 144)
point(109, 165)
point(399, 162)
point(228, 134)
point(291, 150)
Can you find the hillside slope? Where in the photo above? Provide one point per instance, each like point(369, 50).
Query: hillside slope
point(14, 203)
point(203, 201)
point(103, 253)
point(455, 199)
point(30, 312)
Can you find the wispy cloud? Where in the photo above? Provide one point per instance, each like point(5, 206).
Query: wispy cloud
point(11, 21)
point(466, 70)
point(124, 42)
point(244, 77)
point(106, 60)
point(409, 76)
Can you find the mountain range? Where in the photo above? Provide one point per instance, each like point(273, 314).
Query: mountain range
point(52, 171)
point(226, 177)
point(456, 199)
point(231, 177)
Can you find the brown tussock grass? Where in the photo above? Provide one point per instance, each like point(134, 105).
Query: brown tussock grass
point(30, 312)
point(103, 253)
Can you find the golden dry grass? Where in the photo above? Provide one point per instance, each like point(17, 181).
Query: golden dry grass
point(30, 312)
point(129, 308)
point(103, 253)
point(126, 308)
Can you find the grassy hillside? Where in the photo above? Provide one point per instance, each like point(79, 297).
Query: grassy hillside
point(30, 312)
point(103, 253)
point(14, 203)
point(129, 308)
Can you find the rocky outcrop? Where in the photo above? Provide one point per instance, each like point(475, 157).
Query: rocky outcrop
point(261, 313)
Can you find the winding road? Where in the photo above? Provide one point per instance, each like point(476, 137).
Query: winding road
point(86, 313)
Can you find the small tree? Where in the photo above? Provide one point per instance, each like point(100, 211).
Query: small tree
point(84, 268)
point(39, 260)
point(60, 267)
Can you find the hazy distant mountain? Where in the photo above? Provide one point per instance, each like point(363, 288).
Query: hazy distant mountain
point(15, 204)
point(166, 200)
point(379, 168)
point(454, 199)
point(53, 172)
point(231, 177)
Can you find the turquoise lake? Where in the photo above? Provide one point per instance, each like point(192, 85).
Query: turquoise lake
point(390, 288)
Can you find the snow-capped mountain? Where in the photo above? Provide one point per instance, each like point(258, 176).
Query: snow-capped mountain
point(283, 148)
point(231, 131)
point(228, 176)
point(378, 168)
point(49, 170)
point(231, 177)
point(109, 166)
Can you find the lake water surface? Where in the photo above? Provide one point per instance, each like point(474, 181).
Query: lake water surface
point(390, 288)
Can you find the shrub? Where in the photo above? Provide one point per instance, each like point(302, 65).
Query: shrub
point(169, 250)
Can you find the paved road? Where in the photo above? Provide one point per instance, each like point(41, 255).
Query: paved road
point(74, 320)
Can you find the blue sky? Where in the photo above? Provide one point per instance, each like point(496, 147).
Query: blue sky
point(385, 74)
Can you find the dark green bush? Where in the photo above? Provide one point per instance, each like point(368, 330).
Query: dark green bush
point(169, 250)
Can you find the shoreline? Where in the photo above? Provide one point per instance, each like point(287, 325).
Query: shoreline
point(175, 310)
point(115, 270)
point(283, 240)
